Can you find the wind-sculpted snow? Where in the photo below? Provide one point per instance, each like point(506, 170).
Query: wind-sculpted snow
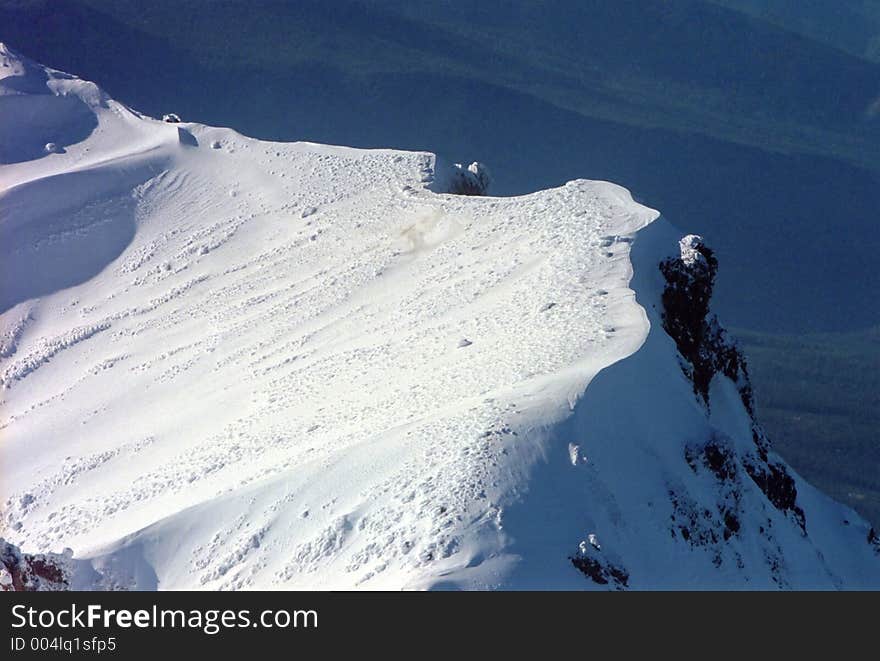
point(45, 349)
point(305, 368)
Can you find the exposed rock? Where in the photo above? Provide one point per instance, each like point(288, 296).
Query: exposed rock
point(697, 527)
point(779, 487)
point(706, 350)
point(702, 342)
point(601, 572)
point(722, 462)
point(25, 572)
point(731, 524)
point(473, 180)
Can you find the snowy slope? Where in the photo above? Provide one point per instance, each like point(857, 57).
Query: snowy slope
point(229, 363)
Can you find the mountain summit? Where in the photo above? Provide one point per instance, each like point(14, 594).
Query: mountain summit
point(229, 363)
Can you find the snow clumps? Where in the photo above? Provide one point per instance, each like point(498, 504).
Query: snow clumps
point(690, 249)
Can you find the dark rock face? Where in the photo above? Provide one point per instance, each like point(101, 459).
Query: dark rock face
point(710, 525)
point(874, 540)
point(471, 180)
point(601, 572)
point(702, 342)
point(719, 460)
point(779, 487)
point(718, 508)
point(697, 526)
point(705, 347)
point(716, 457)
point(715, 518)
point(25, 572)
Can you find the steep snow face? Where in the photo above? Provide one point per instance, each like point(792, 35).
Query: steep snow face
point(672, 490)
point(228, 363)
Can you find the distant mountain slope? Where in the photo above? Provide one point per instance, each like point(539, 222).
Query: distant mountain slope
point(686, 65)
point(850, 25)
point(820, 395)
point(309, 366)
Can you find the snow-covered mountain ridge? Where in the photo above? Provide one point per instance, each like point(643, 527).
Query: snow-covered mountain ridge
point(229, 363)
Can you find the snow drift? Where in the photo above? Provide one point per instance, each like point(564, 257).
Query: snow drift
point(233, 364)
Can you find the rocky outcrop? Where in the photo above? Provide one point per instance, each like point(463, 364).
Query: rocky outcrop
point(774, 480)
point(874, 540)
point(26, 572)
point(471, 180)
point(706, 350)
point(704, 345)
point(720, 461)
point(599, 570)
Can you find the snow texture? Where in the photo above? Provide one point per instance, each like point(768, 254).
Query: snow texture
point(230, 364)
point(689, 247)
